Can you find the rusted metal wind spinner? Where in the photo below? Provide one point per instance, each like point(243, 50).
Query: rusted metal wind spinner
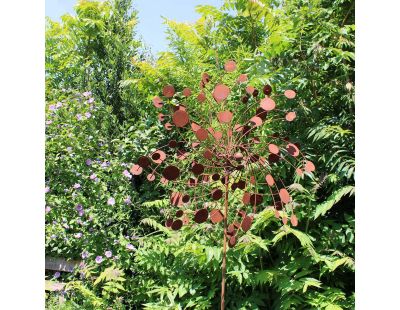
point(223, 147)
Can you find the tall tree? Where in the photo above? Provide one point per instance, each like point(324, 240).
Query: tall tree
point(93, 50)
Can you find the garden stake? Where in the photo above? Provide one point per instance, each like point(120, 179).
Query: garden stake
point(220, 133)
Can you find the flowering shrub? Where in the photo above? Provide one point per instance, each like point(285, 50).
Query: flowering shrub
point(91, 202)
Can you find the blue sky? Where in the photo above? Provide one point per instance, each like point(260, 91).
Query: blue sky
point(151, 27)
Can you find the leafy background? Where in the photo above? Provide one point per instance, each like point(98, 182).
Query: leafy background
point(99, 120)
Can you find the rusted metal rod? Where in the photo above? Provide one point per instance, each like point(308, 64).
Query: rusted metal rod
point(225, 241)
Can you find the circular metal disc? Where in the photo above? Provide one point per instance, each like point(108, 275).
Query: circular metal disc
point(201, 134)
point(176, 225)
point(208, 154)
point(267, 104)
point(186, 92)
point(201, 216)
point(242, 78)
point(231, 230)
point(179, 213)
point(274, 149)
point(293, 220)
point(161, 117)
point(232, 241)
point(168, 222)
point(143, 161)
point(171, 173)
point(198, 169)
point(173, 144)
point(246, 223)
point(180, 118)
point(201, 97)
point(157, 102)
point(216, 177)
point(267, 90)
point(257, 121)
point(158, 156)
point(225, 116)
point(293, 150)
point(151, 177)
point(176, 199)
point(136, 170)
point(230, 66)
point(217, 135)
point(241, 184)
point(195, 126)
point(216, 216)
point(309, 166)
point(216, 194)
point(168, 91)
point(250, 89)
point(290, 94)
point(290, 116)
point(205, 78)
point(270, 180)
point(192, 182)
point(284, 195)
point(185, 198)
point(246, 198)
point(221, 92)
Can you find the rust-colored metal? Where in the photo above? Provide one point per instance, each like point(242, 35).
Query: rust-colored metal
point(223, 142)
point(223, 266)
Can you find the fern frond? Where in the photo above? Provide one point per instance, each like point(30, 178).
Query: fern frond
point(324, 207)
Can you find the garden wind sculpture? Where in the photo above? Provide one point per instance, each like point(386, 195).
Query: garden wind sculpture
point(225, 145)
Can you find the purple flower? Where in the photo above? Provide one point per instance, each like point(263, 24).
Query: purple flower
point(87, 93)
point(130, 246)
point(57, 275)
point(59, 104)
point(108, 254)
point(48, 122)
point(79, 117)
point(105, 164)
point(52, 107)
point(91, 100)
point(47, 209)
point(84, 254)
point(46, 189)
point(93, 176)
point(88, 162)
point(78, 235)
point(77, 186)
point(99, 259)
point(111, 201)
point(127, 174)
point(88, 114)
point(79, 208)
point(127, 200)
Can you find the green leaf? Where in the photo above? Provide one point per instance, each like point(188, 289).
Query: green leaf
point(324, 207)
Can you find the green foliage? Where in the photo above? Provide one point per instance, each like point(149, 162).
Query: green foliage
point(307, 45)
